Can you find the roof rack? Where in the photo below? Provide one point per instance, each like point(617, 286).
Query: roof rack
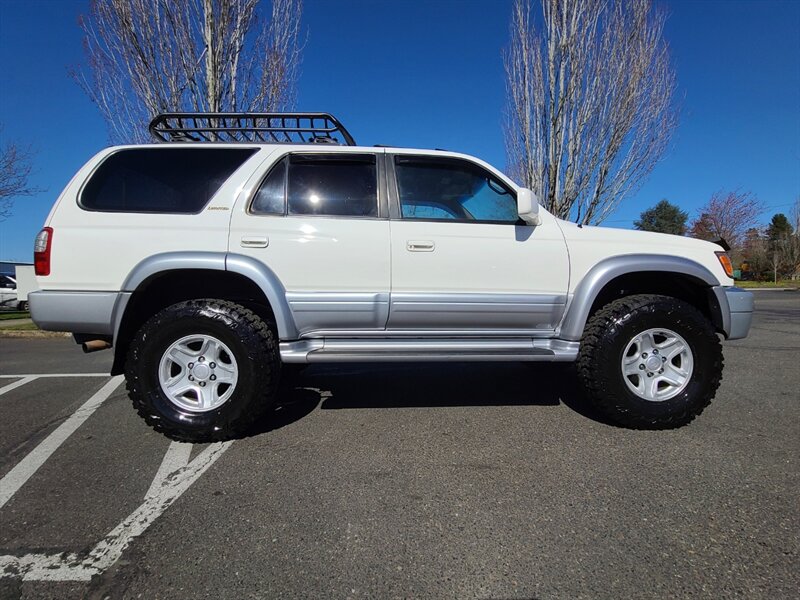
point(268, 128)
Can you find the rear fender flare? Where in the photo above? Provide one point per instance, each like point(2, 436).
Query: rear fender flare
point(259, 273)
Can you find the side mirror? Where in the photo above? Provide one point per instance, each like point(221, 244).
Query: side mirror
point(528, 207)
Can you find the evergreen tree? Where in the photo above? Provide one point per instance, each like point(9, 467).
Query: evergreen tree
point(779, 229)
point(664, 217)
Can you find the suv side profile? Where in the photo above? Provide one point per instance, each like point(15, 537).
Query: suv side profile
point(246, 243)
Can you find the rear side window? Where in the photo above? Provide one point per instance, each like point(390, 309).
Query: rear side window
point(320, 184)
point(161, 180)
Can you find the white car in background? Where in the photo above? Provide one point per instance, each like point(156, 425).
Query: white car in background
point(8, 292)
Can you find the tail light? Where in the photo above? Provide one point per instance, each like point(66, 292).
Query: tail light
point(41, 251)
point(725, 261)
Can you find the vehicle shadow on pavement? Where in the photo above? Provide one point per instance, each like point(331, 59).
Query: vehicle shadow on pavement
point(426, 385)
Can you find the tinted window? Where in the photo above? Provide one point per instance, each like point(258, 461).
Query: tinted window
point(161, 180)
point(271, 196)
point(446, 189)
point(343, 184)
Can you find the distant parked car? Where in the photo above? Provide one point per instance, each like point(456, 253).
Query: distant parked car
point(8, 291)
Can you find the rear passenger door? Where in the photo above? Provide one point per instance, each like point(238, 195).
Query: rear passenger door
point(319, 221)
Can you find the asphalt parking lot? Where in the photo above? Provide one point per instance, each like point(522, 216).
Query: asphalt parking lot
point(418, 481)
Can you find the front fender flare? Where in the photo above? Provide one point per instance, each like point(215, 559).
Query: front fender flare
point(609, 269)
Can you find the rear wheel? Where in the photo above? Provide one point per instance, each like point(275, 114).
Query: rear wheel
point(203, 370)
point(650, 362)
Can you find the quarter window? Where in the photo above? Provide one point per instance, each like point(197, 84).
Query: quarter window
point(271, 196)
point(161, 180)
point(452, 189)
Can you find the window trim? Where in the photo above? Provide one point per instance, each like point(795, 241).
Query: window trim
point(254, 151)
point(395, 207)
point(381, 186)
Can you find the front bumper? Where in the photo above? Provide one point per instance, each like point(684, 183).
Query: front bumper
point(736, 311)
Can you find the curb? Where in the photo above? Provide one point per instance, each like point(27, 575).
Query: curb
point(32, 333)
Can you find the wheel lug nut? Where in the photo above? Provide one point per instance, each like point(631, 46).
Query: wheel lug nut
point(213, 378)
point(641, 367)
point(191, 365)
point(644, 354)
point(202, 384)
point(661, 370)
point(201, 359)
point(663, 359)
point(191, 378)
point(655, 351)
point(213, 365)
point(649, 374)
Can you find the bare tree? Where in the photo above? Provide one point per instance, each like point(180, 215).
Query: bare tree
point(755, 252)
point(727, 215)
point(152, 56)
point(590, 102)
point(15, 172)
point(785, 241)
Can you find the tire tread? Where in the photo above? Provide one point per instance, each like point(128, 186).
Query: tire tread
point(253, 409)
point(596, 378)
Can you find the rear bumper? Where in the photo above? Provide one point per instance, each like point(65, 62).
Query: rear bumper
point(736, 307)
point(77, 312)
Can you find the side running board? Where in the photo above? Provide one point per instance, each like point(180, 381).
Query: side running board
point(416, 350)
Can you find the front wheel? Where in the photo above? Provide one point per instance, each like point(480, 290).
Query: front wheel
point(203, 370)
point(650, 361)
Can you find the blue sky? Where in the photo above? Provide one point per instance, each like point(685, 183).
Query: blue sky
point(429, 74)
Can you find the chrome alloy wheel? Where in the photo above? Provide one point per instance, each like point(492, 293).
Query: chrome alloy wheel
point(657, 364)
point(198, 373)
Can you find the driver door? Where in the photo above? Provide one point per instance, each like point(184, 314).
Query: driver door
point(462, 261)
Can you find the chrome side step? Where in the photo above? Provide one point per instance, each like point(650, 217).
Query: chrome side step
point(427, 350)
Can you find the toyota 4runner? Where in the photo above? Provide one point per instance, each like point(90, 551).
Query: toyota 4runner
point(243, 244)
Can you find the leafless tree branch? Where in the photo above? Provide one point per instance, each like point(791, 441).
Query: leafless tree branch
point(16, 164)
point(150, 56)
point(590, 102)
point(728, 215)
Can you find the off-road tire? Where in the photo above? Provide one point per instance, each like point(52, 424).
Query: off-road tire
point(604, 341)
point(253, 344)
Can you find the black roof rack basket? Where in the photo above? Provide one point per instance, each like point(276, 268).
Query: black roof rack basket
point(250, 128)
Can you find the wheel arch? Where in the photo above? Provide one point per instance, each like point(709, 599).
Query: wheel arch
point(621, 276)
point(165, 279)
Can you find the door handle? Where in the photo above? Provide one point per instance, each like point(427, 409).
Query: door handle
point(254, 242)
point(420, 246)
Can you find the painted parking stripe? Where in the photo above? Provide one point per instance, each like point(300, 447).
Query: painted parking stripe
point(55, 375)
point(173, 478)
point(16, 384)
point(23, 471)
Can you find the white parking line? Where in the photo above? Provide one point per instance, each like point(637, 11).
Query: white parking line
point(55, 375)
point(173, 478)
point(23, 471)
point(16, 384)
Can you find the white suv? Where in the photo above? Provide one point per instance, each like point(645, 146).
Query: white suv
point(246, 242)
